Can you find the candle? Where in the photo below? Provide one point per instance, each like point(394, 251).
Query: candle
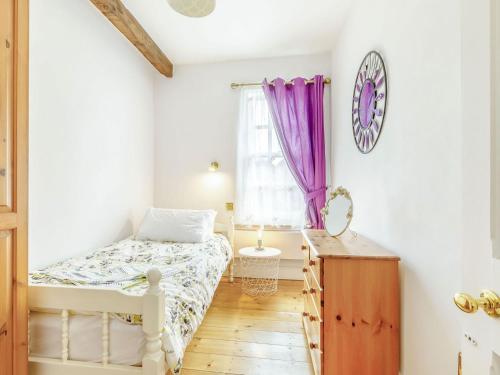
point(260, 233)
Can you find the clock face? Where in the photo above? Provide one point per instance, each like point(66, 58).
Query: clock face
point(369, 102)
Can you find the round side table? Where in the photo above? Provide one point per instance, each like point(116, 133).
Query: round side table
point(259, 270)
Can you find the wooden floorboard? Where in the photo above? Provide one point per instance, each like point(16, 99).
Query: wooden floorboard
point(256, 336)
point(243, 365)
point(250, 335)
point(217, 311)
point(249, 349)
point(187, 371)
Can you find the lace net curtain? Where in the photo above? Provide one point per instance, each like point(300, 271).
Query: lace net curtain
point(267, 193)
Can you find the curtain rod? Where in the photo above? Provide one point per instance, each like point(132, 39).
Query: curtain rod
point(326, 81)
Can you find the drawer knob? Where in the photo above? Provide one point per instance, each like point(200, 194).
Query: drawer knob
point(304, 291)
point(303, 247)
point(313, 346)
point(312, 262)
point(304, 269)
point(305, 313)
point(312, 318)
point(312, 291)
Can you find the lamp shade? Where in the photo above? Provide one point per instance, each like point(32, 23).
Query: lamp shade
point(193, 8)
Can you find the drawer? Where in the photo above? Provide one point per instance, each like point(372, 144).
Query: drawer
point(315, 266)
point(305, 291)
point(313, 330)
point(317, 360)
point(307, 273)
point(315, 293)
point(305, 251)
point(313, 320)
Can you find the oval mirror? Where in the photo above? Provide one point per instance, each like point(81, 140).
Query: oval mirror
point(337, 213)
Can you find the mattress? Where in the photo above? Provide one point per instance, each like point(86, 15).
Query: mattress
point(190, 275)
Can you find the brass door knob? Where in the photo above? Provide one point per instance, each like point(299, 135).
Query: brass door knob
point(488, 301)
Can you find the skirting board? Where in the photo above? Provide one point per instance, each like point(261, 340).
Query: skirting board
point(290, 269)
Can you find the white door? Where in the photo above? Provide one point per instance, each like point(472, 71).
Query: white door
point(480, 30)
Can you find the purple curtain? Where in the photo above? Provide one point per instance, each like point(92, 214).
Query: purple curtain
point(297, 113)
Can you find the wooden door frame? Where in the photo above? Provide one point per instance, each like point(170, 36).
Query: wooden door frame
point(20, 186)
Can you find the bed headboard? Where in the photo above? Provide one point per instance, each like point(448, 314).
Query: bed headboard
point(225, 225)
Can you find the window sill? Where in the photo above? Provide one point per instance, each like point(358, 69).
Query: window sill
point(267, 228)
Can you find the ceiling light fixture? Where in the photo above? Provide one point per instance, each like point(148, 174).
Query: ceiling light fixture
point(193, 8)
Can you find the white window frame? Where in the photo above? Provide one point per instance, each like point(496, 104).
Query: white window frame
point(245, 154)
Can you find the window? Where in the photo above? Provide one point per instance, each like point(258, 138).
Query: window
point(267, 193)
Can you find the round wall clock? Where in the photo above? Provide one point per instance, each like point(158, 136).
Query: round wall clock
point(369, 102)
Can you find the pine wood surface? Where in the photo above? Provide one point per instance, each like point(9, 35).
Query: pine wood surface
point(362, 301)
point(351, 304)
point(13, 186)
point(127, 24)
point(346, 246)
point(251, 335)
point(6, 266)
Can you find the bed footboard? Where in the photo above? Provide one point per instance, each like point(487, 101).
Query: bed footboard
point(151, 306)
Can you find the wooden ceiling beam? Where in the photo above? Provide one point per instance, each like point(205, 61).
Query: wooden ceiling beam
point(127, 24)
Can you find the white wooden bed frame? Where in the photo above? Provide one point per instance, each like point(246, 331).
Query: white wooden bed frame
point(151, 306)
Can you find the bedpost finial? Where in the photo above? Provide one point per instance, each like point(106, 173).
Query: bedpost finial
point(154, 277)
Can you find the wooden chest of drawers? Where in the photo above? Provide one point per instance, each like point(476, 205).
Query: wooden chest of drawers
point(351, 305)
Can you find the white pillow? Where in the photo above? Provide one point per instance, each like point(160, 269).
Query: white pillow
point(164, 224)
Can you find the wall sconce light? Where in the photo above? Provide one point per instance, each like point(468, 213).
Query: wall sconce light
point(213, 167)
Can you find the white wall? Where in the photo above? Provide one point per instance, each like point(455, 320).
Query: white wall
point(196, 123)
point(91, 131)
point(408, 191)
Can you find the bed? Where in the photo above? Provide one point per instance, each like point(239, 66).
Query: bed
point(128, 308)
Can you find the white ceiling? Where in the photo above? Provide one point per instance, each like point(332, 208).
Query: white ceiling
point(242, 29)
